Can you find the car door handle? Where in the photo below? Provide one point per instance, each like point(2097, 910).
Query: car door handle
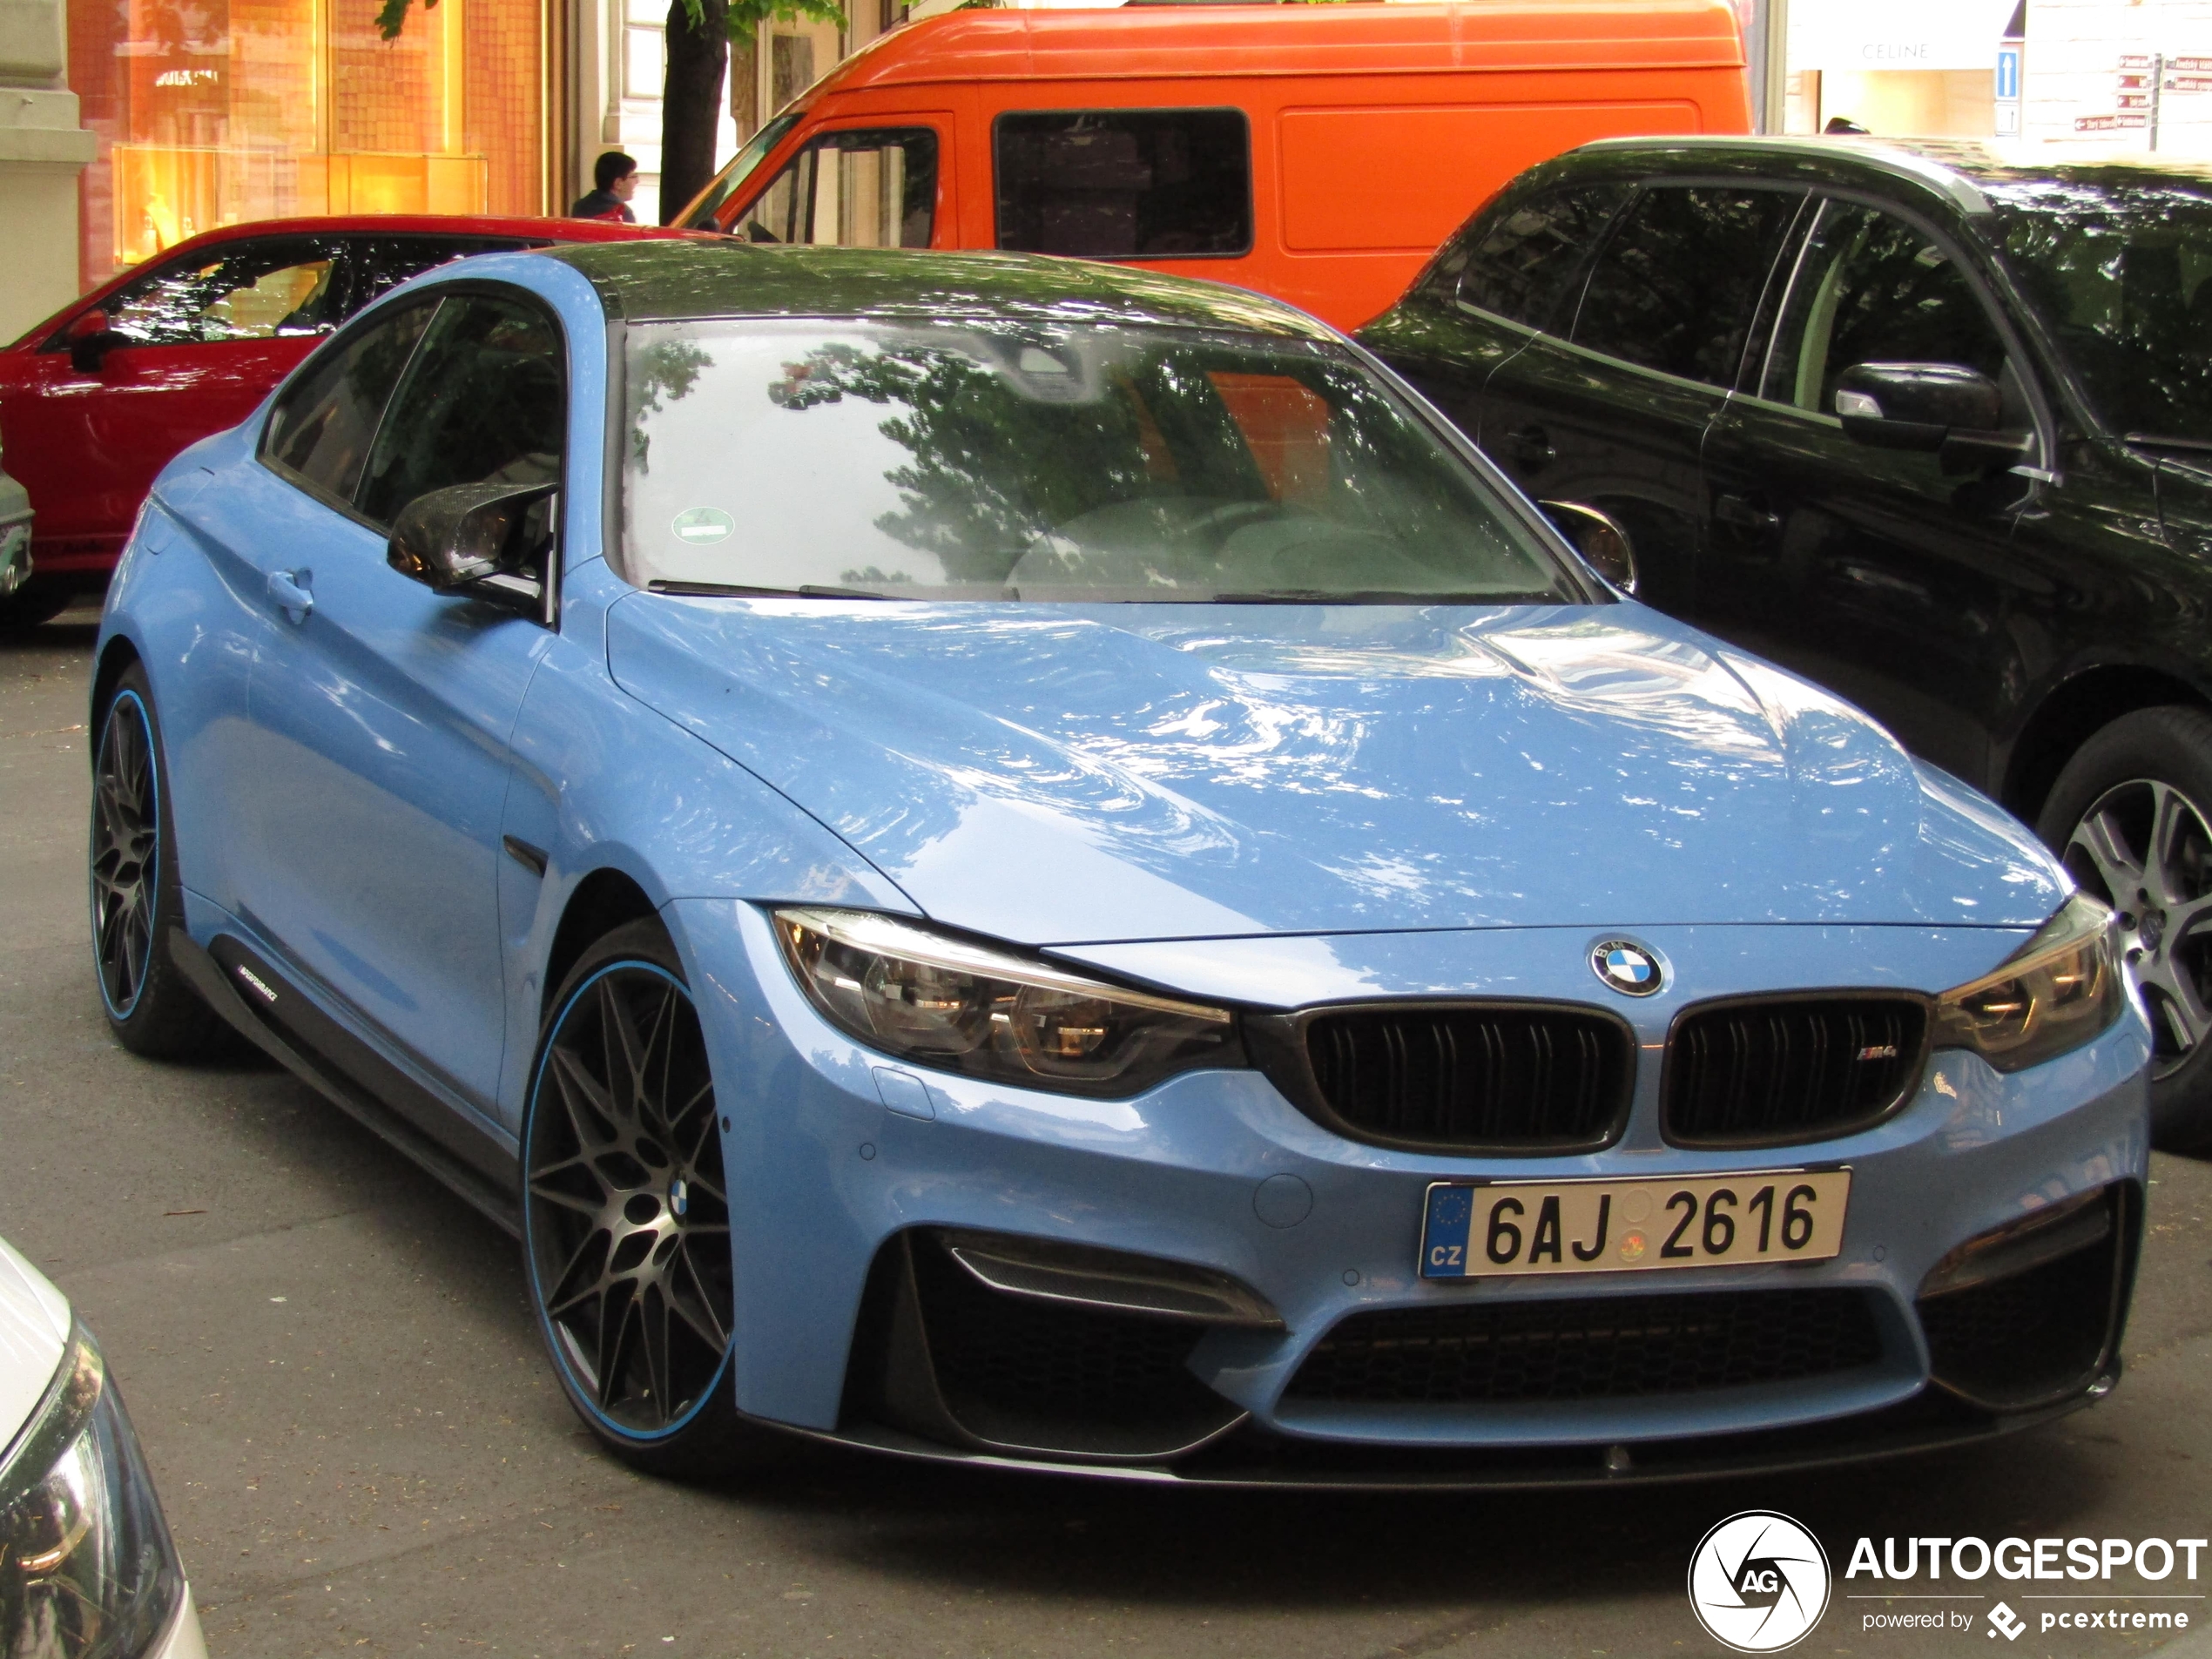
point(1531, 446)
point(1743, 515)
point(289, 590)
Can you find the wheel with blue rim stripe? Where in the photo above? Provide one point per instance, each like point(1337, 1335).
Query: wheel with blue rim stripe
point(626, 1211)
point(136, 893)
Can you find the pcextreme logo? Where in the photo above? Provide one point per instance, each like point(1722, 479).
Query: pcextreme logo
point(1758, 1581)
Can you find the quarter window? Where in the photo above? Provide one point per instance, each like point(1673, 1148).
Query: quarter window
point(1521, 259)
point(1870, 288)
point(1674, 287)
point(483, 402)
point(872, 189)
point(1124, 184)
point(325, 421)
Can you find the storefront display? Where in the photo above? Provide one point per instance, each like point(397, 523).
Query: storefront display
point(225, 111)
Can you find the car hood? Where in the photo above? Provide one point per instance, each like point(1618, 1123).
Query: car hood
point(34, 1334)
point(1061, 774)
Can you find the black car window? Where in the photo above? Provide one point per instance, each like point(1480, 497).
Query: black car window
point(1519, 259)
point(867, 189)
point(1675, 285)
point(323, 422)
point(376, 265)
point(2119, 263)
point(1870, 288)
point(1124, 184)
point(248, 290)
point(484, 401)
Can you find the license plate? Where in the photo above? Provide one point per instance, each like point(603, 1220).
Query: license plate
point(1483, 1229)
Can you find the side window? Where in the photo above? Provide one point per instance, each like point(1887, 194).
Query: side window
point(252, 291)
point(1518, 262)
point(484, 401)
point(324, 422)
point(1870, 288)
point(376, 265)
point(1124, 184)
point(1675, 285)
point(872, 189)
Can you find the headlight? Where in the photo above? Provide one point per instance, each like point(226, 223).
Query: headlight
point(2055, 993)
point(87, 1570)
point(963, 1007)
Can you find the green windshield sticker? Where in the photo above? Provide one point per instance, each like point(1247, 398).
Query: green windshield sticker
point(701, 525)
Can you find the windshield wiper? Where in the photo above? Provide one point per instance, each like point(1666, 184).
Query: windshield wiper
point(1368, 596)
point(2152, 440)
point(733, 590)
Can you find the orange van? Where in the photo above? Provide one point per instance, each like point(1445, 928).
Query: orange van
point(1319, 153)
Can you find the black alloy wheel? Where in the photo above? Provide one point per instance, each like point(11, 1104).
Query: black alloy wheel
point(136, 893)
point(626, 1212)
point(126, 839)
point(2129, 817)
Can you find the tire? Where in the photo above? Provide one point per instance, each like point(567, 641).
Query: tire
point(136, 894)
point(626, 1218)
point(2131, 816)
point(32, 603)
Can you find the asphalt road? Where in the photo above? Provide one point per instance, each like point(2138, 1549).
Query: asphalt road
point(333, 1369)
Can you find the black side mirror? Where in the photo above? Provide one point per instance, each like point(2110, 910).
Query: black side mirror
point(1937, 408)
point(1598, 537)
point(90, 339)
point(473, 538)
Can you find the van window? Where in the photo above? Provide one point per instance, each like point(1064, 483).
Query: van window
point(1519, 261)
point(876, 188)
point(1675, 284)
point(1125, 184)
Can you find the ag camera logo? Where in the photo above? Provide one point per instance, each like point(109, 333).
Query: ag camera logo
point(1758, 1581)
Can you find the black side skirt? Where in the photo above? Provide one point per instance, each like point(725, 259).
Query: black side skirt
point(273, 1014)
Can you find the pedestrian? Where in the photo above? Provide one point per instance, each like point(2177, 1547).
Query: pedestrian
point(614, 177)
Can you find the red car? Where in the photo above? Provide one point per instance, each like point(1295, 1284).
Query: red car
point(96, 400)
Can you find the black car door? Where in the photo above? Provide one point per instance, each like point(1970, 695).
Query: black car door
point(1873, 570)
point(1613, 415)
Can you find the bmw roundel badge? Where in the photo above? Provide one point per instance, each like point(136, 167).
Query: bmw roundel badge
point(1626, 966)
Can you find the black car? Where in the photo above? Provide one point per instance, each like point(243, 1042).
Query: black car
point(1932, 428)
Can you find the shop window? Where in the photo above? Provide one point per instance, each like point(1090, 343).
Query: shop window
point(227, 110)
point(867, 189)
point(791, 68)
point(1124, 184)
point(1675, 285)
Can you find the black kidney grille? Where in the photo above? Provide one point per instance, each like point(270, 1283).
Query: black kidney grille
point(1489, 1077)
point(1606, 1347)
point(1746, 1072)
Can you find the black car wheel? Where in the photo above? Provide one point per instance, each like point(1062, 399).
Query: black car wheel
point(136, 896)
point(626, 1213)
point(2131, 815)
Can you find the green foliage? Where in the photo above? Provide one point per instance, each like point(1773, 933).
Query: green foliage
point(744, 18)
point(392, 16)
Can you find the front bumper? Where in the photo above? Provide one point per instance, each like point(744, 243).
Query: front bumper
point(843, 1196)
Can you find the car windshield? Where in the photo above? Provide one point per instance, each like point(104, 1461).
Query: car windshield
point(2121, 272)
point(1077, 462)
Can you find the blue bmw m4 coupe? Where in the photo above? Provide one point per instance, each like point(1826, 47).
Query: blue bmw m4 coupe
point(1001, 859)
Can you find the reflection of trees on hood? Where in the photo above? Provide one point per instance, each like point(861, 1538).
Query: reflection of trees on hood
point(991, 466)
point(665, 368)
